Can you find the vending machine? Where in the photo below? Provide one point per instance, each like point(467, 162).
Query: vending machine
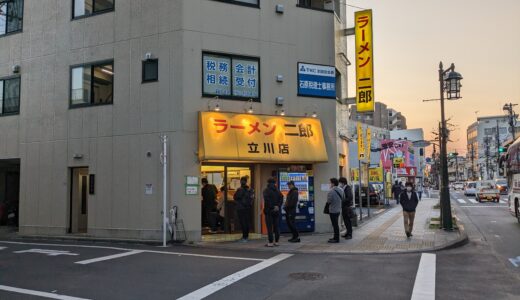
point(304, 181)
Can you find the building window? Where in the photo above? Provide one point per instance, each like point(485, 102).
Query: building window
point(230, 76)
point(92, 84)
point(11, 16)
point(253, 3)
point(150, 70)
point(85, 8)
point(326, 5)
point(10, 96)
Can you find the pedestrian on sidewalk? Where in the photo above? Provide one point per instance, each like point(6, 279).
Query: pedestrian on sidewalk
point(420, 190)
point(346, 207)
point(334, 199)
point(396, 190)
point(209, 205)
point(409, 201)
point(244, 198)
point(273, 200)
point(290, 211)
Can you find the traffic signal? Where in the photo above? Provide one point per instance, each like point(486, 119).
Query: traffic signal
point(501, 149)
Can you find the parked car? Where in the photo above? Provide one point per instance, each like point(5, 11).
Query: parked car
point(486, 190)
point(470, 189)
point(373, 193)
point(458, 186)
point(501, 185)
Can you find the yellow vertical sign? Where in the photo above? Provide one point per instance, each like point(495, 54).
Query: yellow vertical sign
point(368, 146)
point(364, 61)
point(360, 142)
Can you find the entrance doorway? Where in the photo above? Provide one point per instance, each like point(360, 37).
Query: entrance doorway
point(226, 178)
point(9, 192)
point(79, 200)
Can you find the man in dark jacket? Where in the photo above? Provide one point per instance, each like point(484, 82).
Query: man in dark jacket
point(273, 200)
point(409, 201)
point(396, 190)
point(290, 211)
point(346, 206)
point(244, 198)
point(209, 204)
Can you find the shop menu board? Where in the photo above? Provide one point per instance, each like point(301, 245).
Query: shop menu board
point(301, 181)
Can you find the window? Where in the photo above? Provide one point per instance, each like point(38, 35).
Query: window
point(10, 96)
point(230, 76)
point(254, 3)
point(11, 16)
point(150, 70)
point(92, 84)
point(85, 8)
point(327, 5)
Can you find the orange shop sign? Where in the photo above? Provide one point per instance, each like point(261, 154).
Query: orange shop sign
point(260, 138)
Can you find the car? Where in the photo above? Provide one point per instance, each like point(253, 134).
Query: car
point(470, 189)
point(501, 185)
point(458, 186)
point(486, 190)
point(373, 193)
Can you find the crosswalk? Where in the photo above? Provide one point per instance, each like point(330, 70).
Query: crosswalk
point(473, 201)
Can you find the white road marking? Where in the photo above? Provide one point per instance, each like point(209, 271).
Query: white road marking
point(226, 281)
point(484, 206)
point(461, 201)
point(47, 252)
point(128, 249)
point(103, 258)
point(472, 200)
point(503, 201)
point(515, 261)
point(424, 286)
point(2, 248)
point(38, 293)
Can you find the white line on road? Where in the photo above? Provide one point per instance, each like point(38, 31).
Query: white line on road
point(472, 200)
point(484, 206)
point(38, 293)
point(103, 258)
point(461, 201)
point(424, 287)
point(2, 248)
point(128, 249)
point(515, 261)
point(503, 201)
point(226, 281)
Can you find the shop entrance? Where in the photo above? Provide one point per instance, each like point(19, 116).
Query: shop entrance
point(226, 178)
point(79, 200)
point(9, 192)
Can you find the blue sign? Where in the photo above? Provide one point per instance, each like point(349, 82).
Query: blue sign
point(316, 81)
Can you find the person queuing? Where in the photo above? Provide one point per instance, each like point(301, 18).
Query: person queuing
point(333, 207)
point(290, 211)
point(209, 204)
point(244, 198)
point(273, 200)
point(409, 201)
point(346, 207)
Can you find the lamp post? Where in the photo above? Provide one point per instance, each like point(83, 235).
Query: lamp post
point(450, 85)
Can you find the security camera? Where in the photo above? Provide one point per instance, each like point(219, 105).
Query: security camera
point(15, 69)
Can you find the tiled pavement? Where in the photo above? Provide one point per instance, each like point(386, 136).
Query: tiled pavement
point(382, 234)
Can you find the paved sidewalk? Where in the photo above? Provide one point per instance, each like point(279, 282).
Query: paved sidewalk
point(382, 234)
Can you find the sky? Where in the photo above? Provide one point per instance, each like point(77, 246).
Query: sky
point(411, 37)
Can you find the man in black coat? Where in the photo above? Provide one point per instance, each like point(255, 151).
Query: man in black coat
point(409, 201)
point(290, 211)
point(273, 200)
point(244, 198)
point(346, 207)
point(209, 204)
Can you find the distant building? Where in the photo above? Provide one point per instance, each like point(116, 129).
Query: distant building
point(382, 117)
point(413, 135)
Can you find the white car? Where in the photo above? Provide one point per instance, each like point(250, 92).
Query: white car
point(470, 189)
point(486, 190)
point(458, 186)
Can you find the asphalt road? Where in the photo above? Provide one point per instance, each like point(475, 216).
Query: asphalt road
point(479, 270)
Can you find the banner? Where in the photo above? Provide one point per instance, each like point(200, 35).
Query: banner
point(364, 61)
point(360, 142)
point(369, 142)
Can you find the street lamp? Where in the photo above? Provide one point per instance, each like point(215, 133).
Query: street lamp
point(451, 86)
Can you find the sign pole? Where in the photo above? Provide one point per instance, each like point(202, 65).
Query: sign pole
point(164, 139)
point(360, 193)
point(368, 188)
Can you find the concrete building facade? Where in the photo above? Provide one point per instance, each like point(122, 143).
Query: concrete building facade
point(86, 134)
point(382, 117)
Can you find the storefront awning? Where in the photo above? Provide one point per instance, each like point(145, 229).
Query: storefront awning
point(260, 138)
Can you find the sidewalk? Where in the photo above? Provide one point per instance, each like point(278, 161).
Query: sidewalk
point(382, 234)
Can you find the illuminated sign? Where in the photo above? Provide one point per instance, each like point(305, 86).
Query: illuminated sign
point(364, 61)
point(260, 138)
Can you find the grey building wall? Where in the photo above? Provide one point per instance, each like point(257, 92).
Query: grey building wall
point(114, 139)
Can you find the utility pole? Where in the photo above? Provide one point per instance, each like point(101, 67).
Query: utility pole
point(497, 137)
point(472, 162)
point(486, 141)
point(508, 107)
point(456, 166)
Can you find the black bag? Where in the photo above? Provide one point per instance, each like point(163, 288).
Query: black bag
point(326, 208)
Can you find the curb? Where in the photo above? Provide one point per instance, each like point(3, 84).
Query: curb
point(84, 239)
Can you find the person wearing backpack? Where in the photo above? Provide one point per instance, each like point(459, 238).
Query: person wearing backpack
point(290, 211)
point(346, 207)
point(333, 207)
point(244, 198)
point(273, 200)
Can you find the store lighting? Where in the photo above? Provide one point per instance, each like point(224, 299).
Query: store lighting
point(217, 107)
point(314, 114)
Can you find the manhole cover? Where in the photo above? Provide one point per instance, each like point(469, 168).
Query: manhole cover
point(307, 276)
